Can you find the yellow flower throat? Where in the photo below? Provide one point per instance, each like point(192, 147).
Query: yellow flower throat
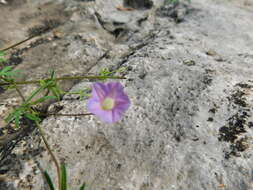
point(108, 104)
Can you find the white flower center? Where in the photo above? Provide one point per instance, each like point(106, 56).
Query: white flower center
point(108, 104)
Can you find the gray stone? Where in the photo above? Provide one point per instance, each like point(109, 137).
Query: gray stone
point(190, 121)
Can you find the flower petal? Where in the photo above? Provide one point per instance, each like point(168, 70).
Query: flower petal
point(119, 111)
point(122, 98)
point(94, 107)
point(99, 91)
point(116, 115)
point(122, 106)
point(112, 90)
point(115, 88)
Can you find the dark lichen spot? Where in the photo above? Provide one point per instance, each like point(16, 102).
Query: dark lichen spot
point(241, 145)
point(210, 119)
point(177, 137)
point(118, 166)
point(234, 127)
point(118, 31)
point(238, 98)
point(14, 60)
point(46, 26)
point(237, 147)
point(176, 10)
point(138, 4)
point(88, 147)
point(142, 75)
point(227, 155)
point(212, 110)
point(244, 85)
point(195, 139)
point(250, 124)
point(207, 79)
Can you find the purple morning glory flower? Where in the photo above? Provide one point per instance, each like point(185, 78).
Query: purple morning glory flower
point(108, 101)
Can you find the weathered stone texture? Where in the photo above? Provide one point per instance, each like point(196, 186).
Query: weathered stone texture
point(190, 122)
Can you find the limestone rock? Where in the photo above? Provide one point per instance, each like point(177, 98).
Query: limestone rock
point(190, 122)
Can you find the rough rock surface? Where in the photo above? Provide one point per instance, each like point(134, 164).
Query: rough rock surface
point(191, 88)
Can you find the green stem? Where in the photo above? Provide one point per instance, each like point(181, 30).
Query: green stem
point(63, 78)
point(70, 115)
point(42, 133)
point(16, 44)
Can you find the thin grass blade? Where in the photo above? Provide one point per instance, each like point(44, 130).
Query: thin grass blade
point(63, 177)
point(49, 180)
point(82, 187)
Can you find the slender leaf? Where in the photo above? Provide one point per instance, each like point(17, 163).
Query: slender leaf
point(8, 72)
point(10, 116)
point(49, 180)
point(2, 60)
point(17, 118)
point(34, 93)
point(15, 115)
point(63, 177)
point(6, 69)
point(2, 53)
point(52, 73)
point(32, 117)
point(82, 187)
point(56, 92)
point(40, 100)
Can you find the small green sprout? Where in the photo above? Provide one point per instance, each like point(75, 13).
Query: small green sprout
point(63, 182)
point(2, 55)
point(105, 72)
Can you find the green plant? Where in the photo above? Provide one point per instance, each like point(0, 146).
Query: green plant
point(63, 179)
point(2, 59)
point(105, 72)
point(47, 89)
